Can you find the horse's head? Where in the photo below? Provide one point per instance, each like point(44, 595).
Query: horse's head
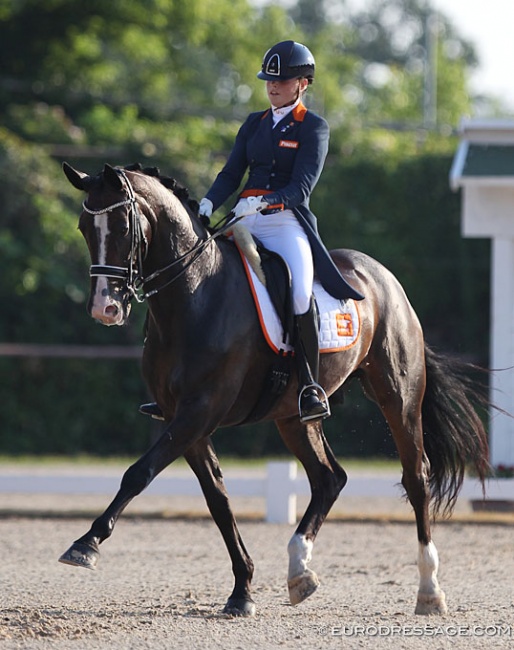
point(116, 234)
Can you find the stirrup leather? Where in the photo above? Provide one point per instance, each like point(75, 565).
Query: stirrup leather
point(323, 399)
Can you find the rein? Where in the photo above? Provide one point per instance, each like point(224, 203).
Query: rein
point(133, 273)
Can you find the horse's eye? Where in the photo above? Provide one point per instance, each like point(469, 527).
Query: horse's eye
point(121, 229)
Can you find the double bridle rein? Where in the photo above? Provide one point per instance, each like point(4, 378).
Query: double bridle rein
point(133, 272)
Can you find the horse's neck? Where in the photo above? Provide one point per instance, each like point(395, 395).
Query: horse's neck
point(178, 243)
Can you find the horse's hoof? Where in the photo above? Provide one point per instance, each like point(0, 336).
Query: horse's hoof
point(239, 607)
point(302, 586)
point(80, 555)
point(431, 604)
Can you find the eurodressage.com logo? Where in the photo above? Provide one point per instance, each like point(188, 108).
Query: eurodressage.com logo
point(499, 630)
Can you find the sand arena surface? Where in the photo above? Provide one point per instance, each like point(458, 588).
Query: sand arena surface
point(163, 584)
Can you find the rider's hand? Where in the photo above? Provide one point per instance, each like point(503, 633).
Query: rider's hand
point(250, 205)
point(205, 211)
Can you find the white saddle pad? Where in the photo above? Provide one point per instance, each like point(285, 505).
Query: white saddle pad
point(339, 320)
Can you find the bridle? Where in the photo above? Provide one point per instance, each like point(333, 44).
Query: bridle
point(133, 272)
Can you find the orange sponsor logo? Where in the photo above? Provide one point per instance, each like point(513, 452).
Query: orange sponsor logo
point(344, 324)
point(289, 144)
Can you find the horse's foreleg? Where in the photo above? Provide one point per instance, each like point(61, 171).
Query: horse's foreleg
point(204, 463)
point(84, 552)
point(327, 478)
point(173, 443)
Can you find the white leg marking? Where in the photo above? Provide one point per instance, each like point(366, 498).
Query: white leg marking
point(431, 599)
point(428, 564)
point(302, 582)
point(300, 554)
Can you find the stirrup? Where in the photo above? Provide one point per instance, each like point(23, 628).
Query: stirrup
point(320, 411)
point(151, 409)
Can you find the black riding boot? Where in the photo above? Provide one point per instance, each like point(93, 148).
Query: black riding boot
point(312, 399)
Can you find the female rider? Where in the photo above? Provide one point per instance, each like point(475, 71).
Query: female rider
point(284, 149)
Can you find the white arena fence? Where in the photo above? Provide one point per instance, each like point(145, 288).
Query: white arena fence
point(279, 484)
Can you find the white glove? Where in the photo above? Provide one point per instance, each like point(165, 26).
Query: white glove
point(205, 208)
point(251, 205)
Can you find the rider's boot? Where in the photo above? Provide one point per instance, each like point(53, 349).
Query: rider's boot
point(312, 399)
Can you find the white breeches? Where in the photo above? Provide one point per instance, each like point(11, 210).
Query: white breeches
point(282, 234)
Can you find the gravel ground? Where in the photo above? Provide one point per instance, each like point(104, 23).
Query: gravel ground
point(162, 583)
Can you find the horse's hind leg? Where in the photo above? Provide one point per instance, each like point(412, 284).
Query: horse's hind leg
point(327, 478)
point(400, 396)
point(204, 463)
point(430, 598)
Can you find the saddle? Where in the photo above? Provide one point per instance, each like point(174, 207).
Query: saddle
point(278, 284)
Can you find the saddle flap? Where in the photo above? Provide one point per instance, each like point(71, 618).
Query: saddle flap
point(278, 284)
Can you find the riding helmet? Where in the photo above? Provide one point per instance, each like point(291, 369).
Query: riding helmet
point(287, 60)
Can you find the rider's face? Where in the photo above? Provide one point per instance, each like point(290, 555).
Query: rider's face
point(283, 93)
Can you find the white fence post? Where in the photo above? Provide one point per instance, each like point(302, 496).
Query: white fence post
point(280, 493)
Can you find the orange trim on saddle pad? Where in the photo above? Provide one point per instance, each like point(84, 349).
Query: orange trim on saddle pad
point(256, 301)
point(340, 322)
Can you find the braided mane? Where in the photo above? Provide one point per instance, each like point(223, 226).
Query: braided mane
point(180, 191)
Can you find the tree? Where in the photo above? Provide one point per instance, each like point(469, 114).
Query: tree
point(169, 58)
point(391, 48)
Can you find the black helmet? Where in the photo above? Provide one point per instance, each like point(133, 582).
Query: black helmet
point(287, 60)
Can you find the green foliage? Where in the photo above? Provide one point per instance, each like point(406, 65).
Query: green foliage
point(69, 406)
point(38, 243)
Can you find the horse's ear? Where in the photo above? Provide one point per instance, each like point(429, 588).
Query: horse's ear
point(80, 180)
point(112, 177)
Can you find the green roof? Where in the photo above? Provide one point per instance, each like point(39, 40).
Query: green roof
point(489, 160)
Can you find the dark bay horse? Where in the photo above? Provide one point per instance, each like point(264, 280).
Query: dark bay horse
point(205, 360)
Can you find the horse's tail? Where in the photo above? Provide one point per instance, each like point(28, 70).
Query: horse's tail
point(454, 434)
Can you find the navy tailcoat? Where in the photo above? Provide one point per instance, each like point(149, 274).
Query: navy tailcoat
point(284, 163)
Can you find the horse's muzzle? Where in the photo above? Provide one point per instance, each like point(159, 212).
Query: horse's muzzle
point(109, 308)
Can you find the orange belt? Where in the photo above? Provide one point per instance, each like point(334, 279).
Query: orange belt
point(246, 193)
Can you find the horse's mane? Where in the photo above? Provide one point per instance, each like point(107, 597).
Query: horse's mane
point(180, 191)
